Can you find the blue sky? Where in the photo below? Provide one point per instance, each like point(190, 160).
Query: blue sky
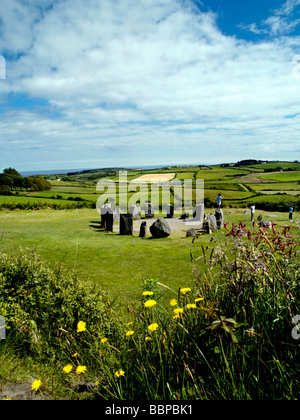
point(92, 83)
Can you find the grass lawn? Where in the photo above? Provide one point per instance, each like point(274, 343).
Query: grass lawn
point(116, 263)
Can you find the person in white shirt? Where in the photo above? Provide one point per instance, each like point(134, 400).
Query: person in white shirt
point(252, 212)
point(219, 200)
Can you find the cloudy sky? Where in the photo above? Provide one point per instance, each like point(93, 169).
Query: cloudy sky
point(99, 83)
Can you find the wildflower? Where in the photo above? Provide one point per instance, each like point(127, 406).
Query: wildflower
point(178, 311)
point(185, 290)
point(148, 339)
point(176, 316)
point(147, 293)
point(119, 373)
point(96, 383)
point(153, 327)
point(150, 303)
point(199, 299)
point(67, 368)
point(75, 355)
point(103, 340)
point(36, 385)
point(81, 326)
point(80, 369)
point(191, 306)
point(129, 333)
point(173, 302)
point(129, 323)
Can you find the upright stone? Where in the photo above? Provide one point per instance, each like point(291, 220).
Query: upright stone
point(219, 218)
point(160, 228)
point(198, 212)
point(149, 210)
point(117, 214)
point(135, 211)
point(143, 229)
point(170, 211)
point(126, 224)
point(109, 222)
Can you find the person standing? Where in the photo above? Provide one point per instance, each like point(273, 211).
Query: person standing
point(291, 213)
point(219, 200)
point(252, 212)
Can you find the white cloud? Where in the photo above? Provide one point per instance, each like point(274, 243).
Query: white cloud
point(137, 79)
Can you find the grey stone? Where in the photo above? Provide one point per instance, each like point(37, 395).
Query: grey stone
point(170, 211)
point(160, 228)
point(185, 216)
point(126, 224)
point(135, 211)
point(198, 212)
point(191, 232)
point(143, 230)
point(219, 218)
point(149, 210)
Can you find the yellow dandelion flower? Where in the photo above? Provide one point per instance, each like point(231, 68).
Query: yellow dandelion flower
point(148, 339)
point(67, 368)
point(147, 293)
point(199, 299)
point(129, 333)
point(178, 311)
point(150, 303)
point(96, 383)
point(81, 326)
point(176, 316)
point(173, 302)
point(129, 323)
point(119, 373)
point(191, 306)
point(81, 369)
point(185, 290)
point(103, 340)
point(36, 385)
point(153, 327)
point(75, 355)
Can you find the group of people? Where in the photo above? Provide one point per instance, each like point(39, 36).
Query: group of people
point(252, 208)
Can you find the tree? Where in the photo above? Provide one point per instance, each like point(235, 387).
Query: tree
point(11, 171)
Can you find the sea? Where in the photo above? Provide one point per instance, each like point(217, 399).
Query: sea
point(66, 171)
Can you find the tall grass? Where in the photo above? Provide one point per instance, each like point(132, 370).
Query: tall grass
point(227, 337)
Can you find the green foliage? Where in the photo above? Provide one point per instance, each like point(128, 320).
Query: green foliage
point(41, 306)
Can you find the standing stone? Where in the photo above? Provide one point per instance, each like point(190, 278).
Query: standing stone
point(109, 222)
point(143, 229)
point(135, 211)
point(149, 210)
point(117, 214)
point(219, 218)
point(105, 209)
point(213, 222)
point(160, 228)
point(126, 224)
point(170, 211)
point(198, 212)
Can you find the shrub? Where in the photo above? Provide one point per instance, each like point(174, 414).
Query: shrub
point(41, 306)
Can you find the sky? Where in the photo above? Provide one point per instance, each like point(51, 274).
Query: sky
point(120, 83)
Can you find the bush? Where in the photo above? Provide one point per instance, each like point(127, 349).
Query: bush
point(5, 190)
point(41, 306)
